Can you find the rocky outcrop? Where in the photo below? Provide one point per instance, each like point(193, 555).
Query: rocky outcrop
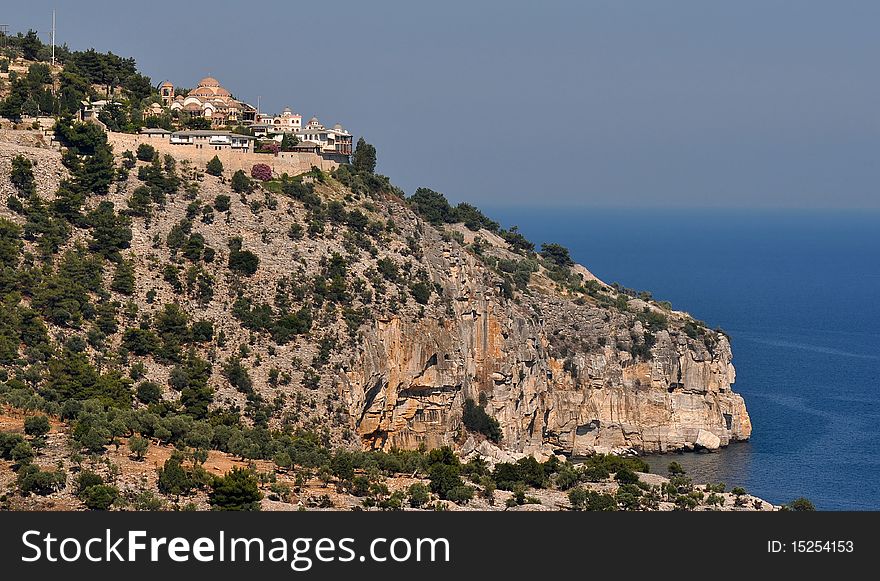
point(556, 374)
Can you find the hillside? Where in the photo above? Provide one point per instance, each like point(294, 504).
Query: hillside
point(148, 297)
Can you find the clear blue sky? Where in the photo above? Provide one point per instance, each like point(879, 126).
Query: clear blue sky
point(593, 103)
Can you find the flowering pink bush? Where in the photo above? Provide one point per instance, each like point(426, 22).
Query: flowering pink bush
point(270, 147)
point(261, 172)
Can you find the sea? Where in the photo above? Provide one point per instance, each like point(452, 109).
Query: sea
point(798, 293)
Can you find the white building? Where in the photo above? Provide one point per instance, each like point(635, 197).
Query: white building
point(287, 122)
point(335, 140)
point(218, 140)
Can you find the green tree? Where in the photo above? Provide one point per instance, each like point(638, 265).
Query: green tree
point(444, 478)
point(138, 446)
point(364, 159)
point(582, 499)
point(242, 261)
point(236, 490)
point(31, 45)
point(557, 254)
point(22, 176)
point(221, 203)
point(477, 420)
point(241, 183)
point(214, 167)
point(801, 505)
point(419, 495)
point(149, 392)
point(111, 232)
point(36, 426)
point(100, 497)
point(146, 152)
point(432, 206)
point(174, 480)
point(123, 278)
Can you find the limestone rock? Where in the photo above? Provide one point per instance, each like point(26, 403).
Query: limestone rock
point(708, 440)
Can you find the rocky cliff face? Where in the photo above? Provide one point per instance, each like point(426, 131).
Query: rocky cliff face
point(572, 368)
point(552, 372)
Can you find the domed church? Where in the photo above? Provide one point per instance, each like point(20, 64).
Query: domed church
point(210, 100)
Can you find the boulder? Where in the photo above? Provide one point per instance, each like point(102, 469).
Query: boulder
point(708, 440)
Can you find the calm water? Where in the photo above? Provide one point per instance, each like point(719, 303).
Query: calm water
point(798, 292)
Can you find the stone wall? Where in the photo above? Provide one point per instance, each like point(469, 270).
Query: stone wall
point(285, 162)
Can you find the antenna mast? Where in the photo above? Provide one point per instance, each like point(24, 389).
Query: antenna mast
point(53, 38)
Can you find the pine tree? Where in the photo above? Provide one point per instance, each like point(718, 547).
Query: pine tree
point(364, 157)
point(215, 167)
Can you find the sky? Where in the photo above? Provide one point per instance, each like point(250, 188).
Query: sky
point(633, 104)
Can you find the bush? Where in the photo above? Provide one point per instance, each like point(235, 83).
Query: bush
point(526, 470)
point(149, 392)
point(138, 446)
point(221, 203)
point(36, 426)
point(146, 152)
point(460, 494)
point(477, 420)
point(421, 292)
point(236, 490)
point(22, 176)
point(419, 495)
point(241, 184)
point(582, 499)
point(626, 476)
point(173, 478)
point(556, 254)
point(242, 261)
point(675, 469)
point(31, 479)
point(261, 172)
point(444, 478)
point(800, 505)
point(214, 167)
point(100, 497)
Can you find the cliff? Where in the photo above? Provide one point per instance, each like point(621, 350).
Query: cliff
point(565, 365)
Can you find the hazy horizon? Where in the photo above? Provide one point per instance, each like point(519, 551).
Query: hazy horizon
point(768, 104)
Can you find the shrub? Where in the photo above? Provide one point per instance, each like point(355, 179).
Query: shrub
point(675, 469)
point(626, 476)
point(801, 505)
point(242, 261)
point(214, 167)
point(527, 471)
point(421, 292)
point(22, 176)
point(557, 254)
point(432, 206)
point(221, 203)
point(149, 392)
point(419, 495)
point(241, 184)
point(138, 446)
point(460, 494)
point(262, 172)
point(582, 499)
point(444, 478)
point(146, 152)
point(477, 420)
point(36, 426)
point(123, 278)
point(100, 497)
point(236, 490)
point(31, 479)
point(173, 478)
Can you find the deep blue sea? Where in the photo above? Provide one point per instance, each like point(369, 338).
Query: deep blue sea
point(798, 292)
